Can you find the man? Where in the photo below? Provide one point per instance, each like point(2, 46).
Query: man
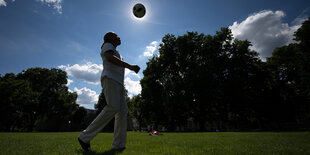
point(112, 82)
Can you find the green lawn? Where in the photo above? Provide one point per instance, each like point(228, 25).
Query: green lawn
point(169, 143)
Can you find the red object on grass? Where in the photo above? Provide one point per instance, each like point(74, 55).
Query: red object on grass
point(155, 132)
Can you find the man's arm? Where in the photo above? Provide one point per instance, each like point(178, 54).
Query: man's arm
point(116, 61)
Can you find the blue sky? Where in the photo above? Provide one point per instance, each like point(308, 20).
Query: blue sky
point(67, 34)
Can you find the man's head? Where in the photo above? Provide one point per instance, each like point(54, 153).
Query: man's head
point(112, 38)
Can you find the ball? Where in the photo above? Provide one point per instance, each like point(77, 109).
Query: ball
point(139, 10)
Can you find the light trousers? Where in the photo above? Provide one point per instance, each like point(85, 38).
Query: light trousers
point(116, 107)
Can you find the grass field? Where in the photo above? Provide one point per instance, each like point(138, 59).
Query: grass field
point(169, 143)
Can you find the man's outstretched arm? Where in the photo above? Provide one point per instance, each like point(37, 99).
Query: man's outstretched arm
point(116, 61)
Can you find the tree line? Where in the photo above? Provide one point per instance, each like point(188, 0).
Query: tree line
point(37, 99)
point(220, 84)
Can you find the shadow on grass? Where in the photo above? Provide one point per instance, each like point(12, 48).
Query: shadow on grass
point(109, 152)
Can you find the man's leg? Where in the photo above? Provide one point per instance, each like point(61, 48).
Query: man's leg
point(120, 125)
point(109, 111)
point(97, 125)
point(120, 131)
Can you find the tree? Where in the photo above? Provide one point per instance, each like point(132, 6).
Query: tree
point(54, 104)
point(136, 108)
point(239, 85)
point(302, 36)
point(208, 78)
point(101, 103)
point(78, 119)
point(182, 80)
point(289, 67)
point(15, 96)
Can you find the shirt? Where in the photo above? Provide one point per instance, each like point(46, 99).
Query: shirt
point(110, 70)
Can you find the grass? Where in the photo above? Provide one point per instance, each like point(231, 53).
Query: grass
point(169, 143)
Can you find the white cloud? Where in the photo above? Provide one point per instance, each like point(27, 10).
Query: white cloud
point(69, 82)
point(266, 31)
point(133, 87)
point(55, 3)
point(86, 96)
point(88, 72)
point(132, 83)
point(150, 49)
point(91, 73)
point(2, 3)
point(129, 73)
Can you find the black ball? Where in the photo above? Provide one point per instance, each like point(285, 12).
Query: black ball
point(139, 10)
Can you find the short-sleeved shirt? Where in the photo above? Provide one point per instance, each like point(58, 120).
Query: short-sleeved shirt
point(110, 70)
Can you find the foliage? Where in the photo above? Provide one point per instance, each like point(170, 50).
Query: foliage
point(136, 107)
point(38, 99)
point(220, 83)
point(101, 103)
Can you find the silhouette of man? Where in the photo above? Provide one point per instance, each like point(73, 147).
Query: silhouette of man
point(112, 82)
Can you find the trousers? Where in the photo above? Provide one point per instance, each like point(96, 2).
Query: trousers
point(116, 107)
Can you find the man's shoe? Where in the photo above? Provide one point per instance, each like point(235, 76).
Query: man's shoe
point(85, 146)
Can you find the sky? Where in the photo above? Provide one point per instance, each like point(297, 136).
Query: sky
point(67, 34)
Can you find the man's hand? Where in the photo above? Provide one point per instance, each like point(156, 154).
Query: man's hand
point(134, 68)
